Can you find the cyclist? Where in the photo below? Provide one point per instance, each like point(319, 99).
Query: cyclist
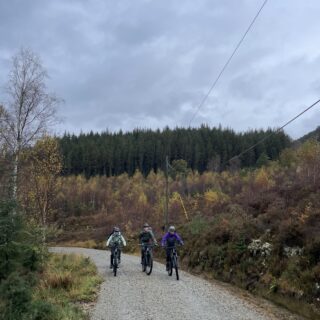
point(169, 241)
point(146, 237)
point(115, 239)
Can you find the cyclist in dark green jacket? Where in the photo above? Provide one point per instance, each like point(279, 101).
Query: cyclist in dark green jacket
point(146, 237)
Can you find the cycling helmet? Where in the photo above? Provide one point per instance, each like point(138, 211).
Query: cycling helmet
point(146, 225)
point(116, 229)
point(172, 228)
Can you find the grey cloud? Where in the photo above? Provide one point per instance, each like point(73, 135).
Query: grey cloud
point(126, 64)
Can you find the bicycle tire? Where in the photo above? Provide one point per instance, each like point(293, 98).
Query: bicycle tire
point(149, 264)
point(115, 262)
point(115, 266)
point(176, 267)
point(144, 263)
point(170, 269)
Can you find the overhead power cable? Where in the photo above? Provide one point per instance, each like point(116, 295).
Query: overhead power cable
point(227, 62)
point(274, 132)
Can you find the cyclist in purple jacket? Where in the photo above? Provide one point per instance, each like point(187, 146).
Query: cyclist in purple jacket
point(169, 241)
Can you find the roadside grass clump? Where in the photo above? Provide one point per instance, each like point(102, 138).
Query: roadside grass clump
point(66, 281)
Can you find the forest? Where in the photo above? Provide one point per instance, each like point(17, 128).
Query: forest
point(203, 148)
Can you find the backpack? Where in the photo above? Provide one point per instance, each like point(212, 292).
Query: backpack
point(116, 239)
point(145, 236)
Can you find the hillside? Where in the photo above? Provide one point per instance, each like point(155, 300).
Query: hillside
point(315, 134)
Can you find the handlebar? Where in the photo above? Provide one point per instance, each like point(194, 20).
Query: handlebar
point(147, 245)
point(174, 247)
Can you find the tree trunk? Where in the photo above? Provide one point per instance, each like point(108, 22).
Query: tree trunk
point(44, 220)
point(15, 179)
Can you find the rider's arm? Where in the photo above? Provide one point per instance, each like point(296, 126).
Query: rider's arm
point(153, 237)
point(164, 239)
point(123, 240)
point(178, 238)
point(140, 236)
point(108, 241)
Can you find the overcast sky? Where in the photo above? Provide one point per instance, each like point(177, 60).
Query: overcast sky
point(142, 63)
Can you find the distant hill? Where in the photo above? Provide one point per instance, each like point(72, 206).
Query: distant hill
point(315, 134)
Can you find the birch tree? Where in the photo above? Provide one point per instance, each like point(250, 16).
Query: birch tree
point(30, 109)
point(43, 169)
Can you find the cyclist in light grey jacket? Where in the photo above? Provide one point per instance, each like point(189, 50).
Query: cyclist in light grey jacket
point(115, 239)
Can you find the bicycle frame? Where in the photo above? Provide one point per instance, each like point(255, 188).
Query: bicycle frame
point(147, 261)
point(116, 249)
point(173, 254)
point(173, 263)
point(147, 248)
point(115, 252)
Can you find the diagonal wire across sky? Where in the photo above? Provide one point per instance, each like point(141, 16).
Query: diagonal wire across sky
point(227, 62)
point(220, 75)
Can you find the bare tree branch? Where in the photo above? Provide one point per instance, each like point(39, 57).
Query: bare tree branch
point(31, 109)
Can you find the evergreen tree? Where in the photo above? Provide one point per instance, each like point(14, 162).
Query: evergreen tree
point(145, 150)
point(20, 256)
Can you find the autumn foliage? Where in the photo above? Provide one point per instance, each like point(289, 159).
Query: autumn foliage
point(220, 216)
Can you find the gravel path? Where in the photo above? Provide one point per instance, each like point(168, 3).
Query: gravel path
point(134, 295)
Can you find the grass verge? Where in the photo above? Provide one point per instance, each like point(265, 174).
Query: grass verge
point(68, 284)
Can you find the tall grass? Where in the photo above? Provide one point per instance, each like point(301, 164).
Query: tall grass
point(68, 281)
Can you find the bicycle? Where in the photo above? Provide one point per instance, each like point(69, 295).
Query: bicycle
point(147, 262)
point(116, 258)
point(173, 262)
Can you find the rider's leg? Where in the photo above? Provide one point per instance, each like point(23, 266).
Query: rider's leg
point(142, 254)
point(119, 255)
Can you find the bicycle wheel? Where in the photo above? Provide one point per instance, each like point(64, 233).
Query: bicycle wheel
point(170, 268)
point(115, 265)
point(149, 264)
point(175, 263)
point(144, 263)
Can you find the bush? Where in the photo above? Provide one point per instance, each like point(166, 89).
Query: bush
point(41, 310)
point(197, 225)
point(313, 251)
point(20, 256)
point(16, 292)
point(290, 234)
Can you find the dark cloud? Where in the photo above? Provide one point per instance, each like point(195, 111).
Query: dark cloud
point(127, 64)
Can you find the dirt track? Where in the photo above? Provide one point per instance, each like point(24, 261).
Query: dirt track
point(134, 295)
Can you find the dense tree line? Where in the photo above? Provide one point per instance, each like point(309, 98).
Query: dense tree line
point(145, 150)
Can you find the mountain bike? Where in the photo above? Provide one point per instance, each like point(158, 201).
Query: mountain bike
point(147, 262)
point(173, 262)
point(116, 259)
